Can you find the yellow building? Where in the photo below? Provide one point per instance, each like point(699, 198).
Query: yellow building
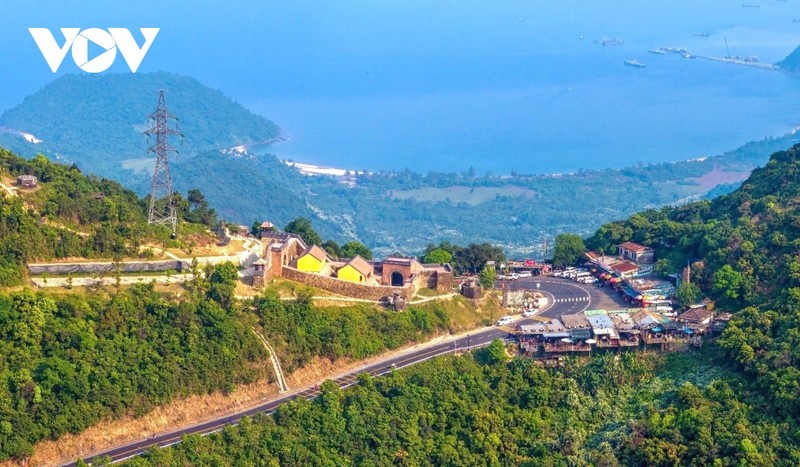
point(312, 259)
point(356, 270)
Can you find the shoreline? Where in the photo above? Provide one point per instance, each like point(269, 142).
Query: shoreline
point(337, 172)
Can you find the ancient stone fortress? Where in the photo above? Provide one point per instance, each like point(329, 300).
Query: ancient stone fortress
point(287, 255)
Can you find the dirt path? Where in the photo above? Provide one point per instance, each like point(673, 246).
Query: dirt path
point(10, 190)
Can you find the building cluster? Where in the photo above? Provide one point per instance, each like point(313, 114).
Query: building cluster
point(631, 274)
point(287, 255)
point(631, 328)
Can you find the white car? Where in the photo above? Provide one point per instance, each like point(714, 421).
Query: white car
point(525, 274)
point(528, 313)
point(504, 321)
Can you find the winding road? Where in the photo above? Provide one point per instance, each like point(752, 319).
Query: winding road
point(565, 297)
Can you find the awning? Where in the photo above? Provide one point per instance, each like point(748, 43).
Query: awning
point(630, 292)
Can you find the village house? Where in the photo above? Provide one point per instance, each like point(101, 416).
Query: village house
point(312, 259)
point(578, 326)
point(603, 328)
point(637, 253)
point(356, 270)
point(27, 181)
point(697, 316)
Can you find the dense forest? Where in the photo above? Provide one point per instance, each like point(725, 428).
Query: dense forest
point(453, 411)
point(70, 361)
point(734, 402)
point(511, 209)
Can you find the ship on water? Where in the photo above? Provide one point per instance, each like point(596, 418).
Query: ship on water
point(658, 51)
point(607, 41)
point(635, 63)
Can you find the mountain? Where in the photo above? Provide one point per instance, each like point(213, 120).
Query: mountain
point(744, 251)
point(96, 121)
point(792, 61)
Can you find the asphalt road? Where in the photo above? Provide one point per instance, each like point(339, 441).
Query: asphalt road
point(564, 297)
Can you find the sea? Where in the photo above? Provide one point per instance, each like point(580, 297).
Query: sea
point(514, 86)
point(523, 86)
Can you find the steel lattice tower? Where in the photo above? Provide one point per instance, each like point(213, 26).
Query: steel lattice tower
point(162, 201)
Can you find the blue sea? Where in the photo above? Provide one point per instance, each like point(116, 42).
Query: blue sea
point(518, 85)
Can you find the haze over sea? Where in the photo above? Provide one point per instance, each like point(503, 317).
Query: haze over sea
point(449, 84)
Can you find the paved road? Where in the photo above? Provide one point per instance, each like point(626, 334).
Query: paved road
point(564, 297)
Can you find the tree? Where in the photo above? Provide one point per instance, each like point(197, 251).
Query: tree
point(488, 277)
point(302, 227)
point(222, 284)
point(727, 283)
point(351, 249)
point(567, 250)
point(474, 257)
point(496, 352)
point(662, 267)
point(332, 248)
point(687, 294)
point(437, 256)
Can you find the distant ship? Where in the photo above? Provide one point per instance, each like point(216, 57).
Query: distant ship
point(657, 51)
point(606, 41)
point(751, 5)
point(675, 50)
point(635, 63)
point(702, 34)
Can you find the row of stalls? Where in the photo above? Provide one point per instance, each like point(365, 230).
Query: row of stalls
point(635, 282)
point(616, 329)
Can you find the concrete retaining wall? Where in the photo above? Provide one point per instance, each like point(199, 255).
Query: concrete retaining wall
point(106, 267)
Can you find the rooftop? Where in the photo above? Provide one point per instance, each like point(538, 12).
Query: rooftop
point(696, 315)
point(576, 321)
point(600, 321)
point(359, 264)
point(316, 252)
point(633, 246)
point(624, 267)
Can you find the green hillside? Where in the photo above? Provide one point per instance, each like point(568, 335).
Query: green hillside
point(96, 120)
point(736, 401)
point(744, 249)
point(71, 215)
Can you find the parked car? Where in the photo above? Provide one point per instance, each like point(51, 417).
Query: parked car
point(504, 321)
point(528, 313)
point(525, 274)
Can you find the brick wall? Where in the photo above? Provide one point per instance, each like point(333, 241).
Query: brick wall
point(349, 289)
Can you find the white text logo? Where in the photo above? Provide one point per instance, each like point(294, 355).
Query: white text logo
point(78, 41)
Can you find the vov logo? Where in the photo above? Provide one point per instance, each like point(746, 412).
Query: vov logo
point(110, 41)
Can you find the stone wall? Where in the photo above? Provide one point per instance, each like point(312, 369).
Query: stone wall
point(444, 282)
point(349, 289)
point(437, 280)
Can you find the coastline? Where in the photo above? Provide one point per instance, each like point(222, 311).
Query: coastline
point(717, 161)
